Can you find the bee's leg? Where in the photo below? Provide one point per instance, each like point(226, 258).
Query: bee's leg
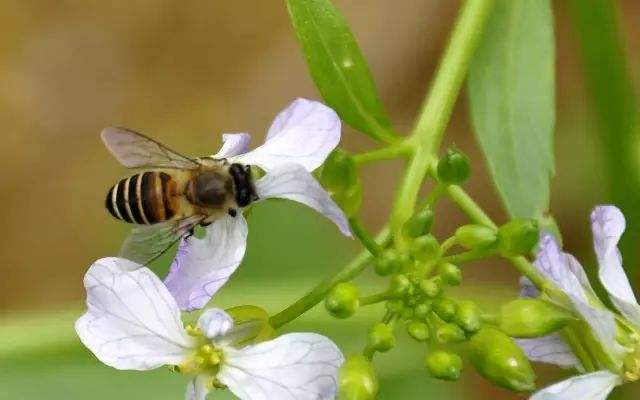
point(190, 233)
point(205, 224)
point(233, 212)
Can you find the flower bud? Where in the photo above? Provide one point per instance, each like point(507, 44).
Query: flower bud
point(450, 333)
point(450, 274)
point(444, 365)
point(400, 285)
point(527, 318)
point(445, 309)
point(357, 380)
point(251, 323)
point(467, 316)
point(453, 168)
point(500, 360)
point(425, 248)
point(395, 306)
point(418, 330)
point(475, 236)
point(406, 314)
point(381, 337)
point(431, 287)
point(342, 300)
point(421, 310)
point(349, 199)
point(419, 224)
point(339, 172)
point(518, 237)
point(387, 263)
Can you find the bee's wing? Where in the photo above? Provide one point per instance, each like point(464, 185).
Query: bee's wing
point(135, 150)
point(145, 243)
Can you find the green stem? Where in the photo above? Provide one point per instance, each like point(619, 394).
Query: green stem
point(361, 233)
point(375, 298)
point(467, 256)
point(436, 110)
point(395, 150)
point(315, 295)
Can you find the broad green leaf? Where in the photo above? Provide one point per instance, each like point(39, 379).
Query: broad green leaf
point(610, 87)
point(338, 67)
point(511, 88)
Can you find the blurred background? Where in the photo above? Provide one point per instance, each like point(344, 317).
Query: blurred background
point(185, 72)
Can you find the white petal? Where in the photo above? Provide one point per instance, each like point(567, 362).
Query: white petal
point(296, 366)
point(196, 389)
point(593, 386)
point(550, 349)
point(527, 288)
point(608, 224)
point(293, 182)
point(558, 267)
point(304, 133)
point(132, 322)
point(215, 323)
point(233, 144)
point(202, 266)
point(603, 325)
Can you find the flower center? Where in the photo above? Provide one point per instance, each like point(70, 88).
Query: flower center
point(205, 359)
point(631, 367)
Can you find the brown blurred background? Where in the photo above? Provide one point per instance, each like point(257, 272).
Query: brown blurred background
point(184, 72)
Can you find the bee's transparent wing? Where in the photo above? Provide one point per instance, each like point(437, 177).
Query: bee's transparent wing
point(145, 243)
point(135, 150)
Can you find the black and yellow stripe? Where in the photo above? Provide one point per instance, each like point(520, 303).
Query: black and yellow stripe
point(143, 198)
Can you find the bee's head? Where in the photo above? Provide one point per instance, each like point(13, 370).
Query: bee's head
point(244, 189)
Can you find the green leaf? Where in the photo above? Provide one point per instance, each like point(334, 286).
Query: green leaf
point(511, 88)
point(338, 67)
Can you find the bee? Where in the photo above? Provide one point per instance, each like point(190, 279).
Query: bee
point(173, 196)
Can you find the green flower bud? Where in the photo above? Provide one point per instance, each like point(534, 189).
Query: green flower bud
point(388, 262)
point(357, 380)
point(252, 323)
point(445, 309)
point(450, 274)
point(400, 285)
point(500, 360)
point(475, 236)
point(425, 248)
point(518, 237)
point(444, 365)
point(418, 330)
point(467, 316)
point(419, 224)
point(349, 199)
point(431, 287)
point(450, 333)
point(453, 168)
point(395, 306)
point(407, 314)
point(342, 300)
point(527, 318)
point(339, 172)
point(421, 310)
point(381, 337)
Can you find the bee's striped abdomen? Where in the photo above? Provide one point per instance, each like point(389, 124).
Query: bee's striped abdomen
point(143, 198)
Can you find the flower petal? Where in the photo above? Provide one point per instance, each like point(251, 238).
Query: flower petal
point(233, 144)
point(608, 224)
point(132, 322)
point(304, 133)
point(293, 182)
point(215, 323)
point(527, 288)
point(555, 266)
point(196, 389)
point(550, 349)
point(296, 366)
point(593, 386)
point(202, 266)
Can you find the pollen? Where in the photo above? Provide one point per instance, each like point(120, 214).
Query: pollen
point(631, 367)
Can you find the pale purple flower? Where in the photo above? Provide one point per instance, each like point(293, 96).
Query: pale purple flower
point(133, 323)
point(298, 141)
point(562, 269)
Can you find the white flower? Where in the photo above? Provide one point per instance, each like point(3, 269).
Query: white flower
point(133, 322)
point(608, 224)
point(298, 141)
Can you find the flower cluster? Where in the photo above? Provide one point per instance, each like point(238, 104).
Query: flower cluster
point(134, 319)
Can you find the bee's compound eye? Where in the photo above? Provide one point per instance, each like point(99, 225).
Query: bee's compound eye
point(211, 188)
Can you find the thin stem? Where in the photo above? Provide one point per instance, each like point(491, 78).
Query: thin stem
point(396, 150)
point(375, 298)
point(467, 256)
point(361, 233)
point(436, 110)
point(315, 295)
